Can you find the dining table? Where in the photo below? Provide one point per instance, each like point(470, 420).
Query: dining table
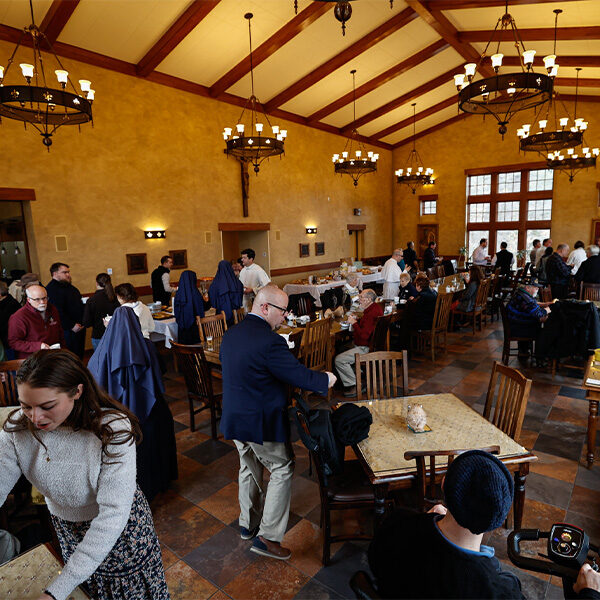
point(454, 426)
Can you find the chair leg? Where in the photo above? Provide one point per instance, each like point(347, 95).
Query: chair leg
point(326, 536)
point(192, 421)
point(213, 420)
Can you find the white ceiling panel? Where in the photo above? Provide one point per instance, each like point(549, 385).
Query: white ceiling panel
point(423, 124)
point(396, 48)
point(123, 30)
point(316, 45)
point(398, 87)
point(220, 41)
point(16, 13)
point(526, 15)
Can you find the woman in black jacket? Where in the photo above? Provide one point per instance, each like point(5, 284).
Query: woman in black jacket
point(103, 303)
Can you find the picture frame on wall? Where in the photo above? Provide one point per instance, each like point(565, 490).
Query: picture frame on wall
point(137, 264)
point(595, 230)
point(319, 248)
point(179, 259)
point(304, 250)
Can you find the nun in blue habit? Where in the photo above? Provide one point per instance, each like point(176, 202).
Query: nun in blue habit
point(126, 366)
point(226, 292)
point(189, 304)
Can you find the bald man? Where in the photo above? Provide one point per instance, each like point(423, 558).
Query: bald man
point(257, 368)
point(391, 274)
point(36, 326)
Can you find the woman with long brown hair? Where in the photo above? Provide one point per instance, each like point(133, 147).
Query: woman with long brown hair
point(102, 304)
point(77, 446)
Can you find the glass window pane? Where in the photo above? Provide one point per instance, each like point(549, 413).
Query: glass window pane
point(510, 236)
point(541, 180)
point(474, 237)
point(479, 212)
point(509, 182)
point(535, 234)
point(479, 185)
point(508, 211)
point(428, 207)
point(539, 210)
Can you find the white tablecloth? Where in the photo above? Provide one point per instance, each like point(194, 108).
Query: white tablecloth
point(316, 290)
point(165, 330)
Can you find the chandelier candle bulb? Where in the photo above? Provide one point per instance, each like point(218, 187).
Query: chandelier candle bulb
point(497, 61)
point(1, 73)
point(459, 80)
point(259, 127)
point(90, 95)
point(240, 127)
point(549, 62)
point(62, 76)
point(528, 57)
point(85, 85)
point(27, 71)
point(543, 124)
point(470, 70)
point(563, 122)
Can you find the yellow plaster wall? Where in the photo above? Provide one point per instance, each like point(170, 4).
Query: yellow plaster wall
point(154, 159)
point(473, 143)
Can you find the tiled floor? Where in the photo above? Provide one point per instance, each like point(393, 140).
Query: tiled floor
point(196, 520)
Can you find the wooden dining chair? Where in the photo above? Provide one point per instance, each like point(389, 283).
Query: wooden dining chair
point(214, 326)
point(590, 291)
point(315, 351)
point(382, 370)
point(432, 273)
point(478, 312)
point(437, 336)
point(546, 294)
point(199, 383)
point(8, 382)
point(429, 476)
point(380, 338)
point(239, 314)
point(509, 337)
point(349, 490)
point(506, 399)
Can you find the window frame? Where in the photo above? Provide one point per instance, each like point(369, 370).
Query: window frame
point(423, 200)
point(494, 198)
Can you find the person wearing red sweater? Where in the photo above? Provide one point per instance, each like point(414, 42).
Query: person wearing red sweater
point(36, 326)
point(362, 331)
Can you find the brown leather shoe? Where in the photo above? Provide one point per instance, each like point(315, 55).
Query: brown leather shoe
point(265, 547)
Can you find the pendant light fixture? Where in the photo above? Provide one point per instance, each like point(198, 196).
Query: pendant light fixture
point(250, 143)
point(355, 160)
point(414, 173)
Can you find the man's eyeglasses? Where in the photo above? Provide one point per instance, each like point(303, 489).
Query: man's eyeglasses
point(284, 311)
point(43, 299)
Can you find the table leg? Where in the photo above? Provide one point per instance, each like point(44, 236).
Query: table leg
point(591, 431)
point(381, 492)
point(519, 501)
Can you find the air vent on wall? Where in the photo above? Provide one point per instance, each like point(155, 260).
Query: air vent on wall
point(208, 237)
point(60, 241)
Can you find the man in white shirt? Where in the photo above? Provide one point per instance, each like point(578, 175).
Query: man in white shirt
point(391, 274)
point(480, 255)
point(541, 250)
point(577, 256)
point(252, 276)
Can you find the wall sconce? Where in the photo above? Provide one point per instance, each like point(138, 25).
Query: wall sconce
point(155, 234)
point(357, 212)
point(311, 230)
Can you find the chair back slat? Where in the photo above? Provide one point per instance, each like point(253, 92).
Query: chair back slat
point(509, 401)
point(442, 312)
point(214, 326)
point(590, 291)
point(380, 338)
point(239, 314)
point(195, 368)
point(8, 382)
point(381, 374)
point(429, 475)
point(314, 352)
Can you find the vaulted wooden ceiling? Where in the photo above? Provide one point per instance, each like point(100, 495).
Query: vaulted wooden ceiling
point(403, 54)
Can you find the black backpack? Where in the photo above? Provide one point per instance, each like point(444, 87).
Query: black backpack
point(320, 438)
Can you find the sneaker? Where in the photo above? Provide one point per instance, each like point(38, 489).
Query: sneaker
point(350, 392)
point(265, 547)
point(248, 534)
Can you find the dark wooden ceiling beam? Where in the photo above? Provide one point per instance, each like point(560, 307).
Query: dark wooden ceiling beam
point(459, 4)
point(366, 42)
point(563, 61)
point(452, 101)
point(290, 30)
point(580, 98)
point(408, 97)
point(591, 32)
point(373, 84)
point(429, 130)
point(56, 18)
point(583, 82)
point(185, 23)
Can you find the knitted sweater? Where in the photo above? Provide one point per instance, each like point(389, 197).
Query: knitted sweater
point(80, 484)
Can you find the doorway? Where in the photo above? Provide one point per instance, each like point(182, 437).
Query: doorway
point(236, 237)
point(14, 249)
point(356, 241)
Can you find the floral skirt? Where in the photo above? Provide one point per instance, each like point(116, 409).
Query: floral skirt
point(133, 569)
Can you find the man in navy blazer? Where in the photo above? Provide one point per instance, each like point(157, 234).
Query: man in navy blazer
point(257, 367)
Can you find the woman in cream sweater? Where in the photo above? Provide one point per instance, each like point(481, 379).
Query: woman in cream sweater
point(77, 446)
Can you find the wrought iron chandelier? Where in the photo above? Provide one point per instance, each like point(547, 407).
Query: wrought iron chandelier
point(36, 102)
point(250, 143)
point(503, 95)
point(342, 11)
point(355, 160)
point(558, 135)
point(414, 173)
point(571, 162)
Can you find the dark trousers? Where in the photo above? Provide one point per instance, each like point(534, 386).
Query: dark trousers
point(75, 342)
